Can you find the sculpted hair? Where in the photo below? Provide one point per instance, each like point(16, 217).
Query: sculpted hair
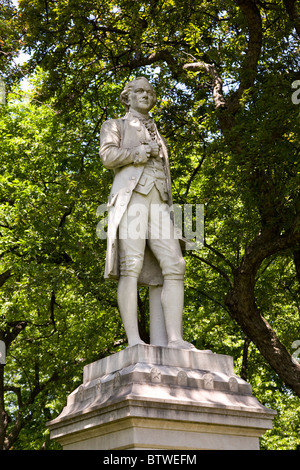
point(125, 93)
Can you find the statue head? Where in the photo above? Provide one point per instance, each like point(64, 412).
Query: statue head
point(139, 95)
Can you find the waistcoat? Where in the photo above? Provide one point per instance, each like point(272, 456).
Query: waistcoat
point(154, 173)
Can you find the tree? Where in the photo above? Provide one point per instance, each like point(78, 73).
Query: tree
point(10, 42)
point(223, 72)
point(55, 315)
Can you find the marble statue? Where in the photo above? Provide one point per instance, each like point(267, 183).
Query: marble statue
point(133, 148)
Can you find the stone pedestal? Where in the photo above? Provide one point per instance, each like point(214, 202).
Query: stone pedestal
point(152, 397)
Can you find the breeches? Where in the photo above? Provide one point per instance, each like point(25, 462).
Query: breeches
point(147, 221)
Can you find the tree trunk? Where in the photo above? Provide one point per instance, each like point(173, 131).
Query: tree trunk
point(240, 301)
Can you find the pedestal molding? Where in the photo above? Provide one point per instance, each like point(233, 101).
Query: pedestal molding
point(159, 399)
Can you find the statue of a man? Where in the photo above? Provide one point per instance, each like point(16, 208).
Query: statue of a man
point(134, 149)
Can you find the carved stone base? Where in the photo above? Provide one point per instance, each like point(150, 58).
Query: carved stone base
point(151, 397)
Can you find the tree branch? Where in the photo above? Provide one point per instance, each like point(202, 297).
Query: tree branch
point(5, 276)
point(67, 212)
point(294, 16)
point(245, 359)
point(216, 268)
point(13, 330)
point(297, 264)
point(218, 253)
point(159, 56)
point(201, 292)
point(267, 243)
point(249, 68)
point(217, 84)
point(194, 173)
point(52, 313)
point(21, 419)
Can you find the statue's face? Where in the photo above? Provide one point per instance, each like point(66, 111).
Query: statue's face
point(141, 97)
